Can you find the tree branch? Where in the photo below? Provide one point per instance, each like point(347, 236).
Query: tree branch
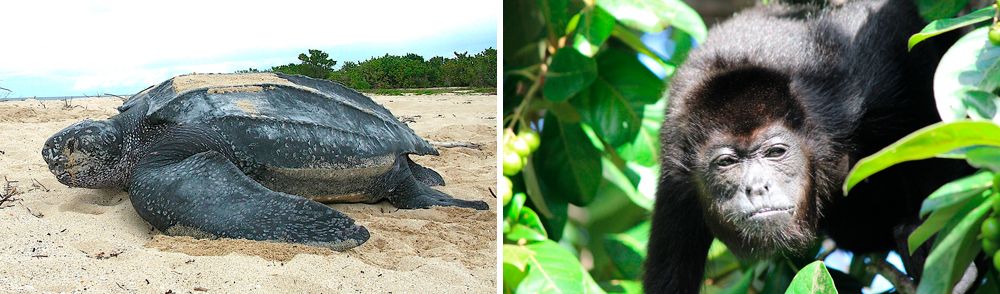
point(899, 280)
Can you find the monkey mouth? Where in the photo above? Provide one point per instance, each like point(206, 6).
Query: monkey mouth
point(770, 211)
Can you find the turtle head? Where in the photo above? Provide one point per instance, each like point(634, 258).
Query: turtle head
point(85, 154)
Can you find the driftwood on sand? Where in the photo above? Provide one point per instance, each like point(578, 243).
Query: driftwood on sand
point(457, 145)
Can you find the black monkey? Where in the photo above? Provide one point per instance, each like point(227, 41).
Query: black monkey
point(764, 122)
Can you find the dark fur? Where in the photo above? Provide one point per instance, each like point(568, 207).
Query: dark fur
point(850, 88)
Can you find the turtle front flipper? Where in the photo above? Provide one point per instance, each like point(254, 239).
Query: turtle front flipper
point(206, 196)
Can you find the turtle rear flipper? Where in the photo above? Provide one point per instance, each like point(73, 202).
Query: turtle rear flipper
point(412, 192)
point(205, 195)
point(423, 174)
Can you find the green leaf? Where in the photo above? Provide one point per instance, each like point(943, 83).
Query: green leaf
point(813, 278)
point(779, 276)
point(568, 73)
point(627, 250)
point(511, 278)
point(522, 232)
point(513, 209)
point(985, 157)
point(721, 261)
point(530, 219)
point(555, 223)
point(925, 143)
point(683, 43)
point(518, 256)
point(941, 26)
point(743, 286)
point(594, 28)
point(991, 78)
point(556, 16)
point(523, 30)
point(567, 162)
point(633, 41)
point(515, 263)
point(957, 191)
point(644, 148)
point(553, 269)
point(613, 105)
point(934, 223)
point(979, 104)
point(655, 15)
point(972, 63)
point(953, 251)
point(533, 189)
point(648, 178)
point(936, 9)
point(622, 286)
point(615, 178)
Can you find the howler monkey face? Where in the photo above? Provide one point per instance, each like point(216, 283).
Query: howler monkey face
point(754, 189)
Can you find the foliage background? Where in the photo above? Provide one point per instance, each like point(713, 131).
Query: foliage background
point(391, 71)
point(576, 208)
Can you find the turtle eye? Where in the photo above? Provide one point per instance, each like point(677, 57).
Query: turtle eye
point(71, 145)
point(725, 160)
point(776, 151)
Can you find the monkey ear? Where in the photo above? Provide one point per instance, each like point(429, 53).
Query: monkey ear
point(678, 241)
point(845, 163)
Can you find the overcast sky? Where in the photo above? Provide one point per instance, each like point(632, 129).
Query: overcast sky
point(68, 48)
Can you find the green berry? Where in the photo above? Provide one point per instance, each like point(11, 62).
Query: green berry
point(996, 184)
point(530, 137)
point(994, 34)
point(991, 229)
point(511, 162)
point(990, 247)
point(505, 190)
point(996, 261)
point(519, 146)
point(996, 202)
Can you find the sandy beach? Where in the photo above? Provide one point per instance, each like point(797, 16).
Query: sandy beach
point(59, 239)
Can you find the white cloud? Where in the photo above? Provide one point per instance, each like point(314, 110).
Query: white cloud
point(105, 43)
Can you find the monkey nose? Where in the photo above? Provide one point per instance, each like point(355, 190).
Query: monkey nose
point(759, 189)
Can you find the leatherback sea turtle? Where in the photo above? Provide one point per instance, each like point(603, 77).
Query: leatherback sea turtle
point(248, 156)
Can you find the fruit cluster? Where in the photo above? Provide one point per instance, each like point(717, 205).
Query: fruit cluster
point(991, 226)
point(516, 149)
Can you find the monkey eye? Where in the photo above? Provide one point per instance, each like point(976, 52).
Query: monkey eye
point(725, 160)
point(776, 151)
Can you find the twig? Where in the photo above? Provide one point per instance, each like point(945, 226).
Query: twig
point(902, 283)
point(408, 119)
point(119, 97)
point(36, 182)
point(457, 144)
point(8, 191)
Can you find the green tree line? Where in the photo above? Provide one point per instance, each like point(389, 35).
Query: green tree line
point(392, 71)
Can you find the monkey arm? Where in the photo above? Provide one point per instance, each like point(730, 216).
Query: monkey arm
point(678, 243)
